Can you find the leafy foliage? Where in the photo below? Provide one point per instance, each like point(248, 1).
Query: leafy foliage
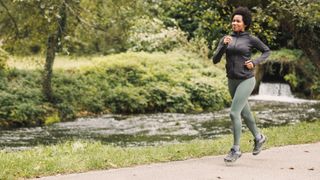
point(151, 35)
point(34, 21)
point(212, 19)
point(300, 73)
point(126, 83)
point(21, 103)
point(150, 83)
point(115, 26)
point(3, 62)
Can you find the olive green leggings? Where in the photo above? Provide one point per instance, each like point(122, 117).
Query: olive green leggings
point(240, 90)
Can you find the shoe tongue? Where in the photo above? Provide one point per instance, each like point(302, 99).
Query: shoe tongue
point(236, 149)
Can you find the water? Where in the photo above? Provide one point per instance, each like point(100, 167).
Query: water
point(275, 89)
point(279, 92)
point(163, 128)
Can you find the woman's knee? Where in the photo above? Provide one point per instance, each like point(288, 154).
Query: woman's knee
point(245, 115)
point(234, 115)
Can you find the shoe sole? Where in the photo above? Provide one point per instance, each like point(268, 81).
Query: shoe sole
point(258, 152)
point(232, 161)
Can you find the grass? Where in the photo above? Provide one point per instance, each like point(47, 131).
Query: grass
point(61, 62)
point(81, 156)
point(71, 62)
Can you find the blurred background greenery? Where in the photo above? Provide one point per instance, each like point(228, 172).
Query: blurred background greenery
point(62, 59)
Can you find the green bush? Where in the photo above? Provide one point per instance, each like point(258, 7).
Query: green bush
point(3, 61)
point(124, 74)
point(125, 83)
point(67, 88)
point(20, 102)
point(20, 110)
point(66, 111)
point(208, 94)
point(151, 35)
point(303, 76)
point(162, 97)
point(291, 79)
point(125, 99)
point(315, 88)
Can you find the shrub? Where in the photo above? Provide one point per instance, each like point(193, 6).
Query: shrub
point(208, 94)
point(76, 92)
point(125, 83)
point(3, 61)
point(124, 74)
point(123, 99)
point(20, 110)
point(315, 89)
point(66, 111)
point(20, 100)
point(162, 97)
point(151, 35)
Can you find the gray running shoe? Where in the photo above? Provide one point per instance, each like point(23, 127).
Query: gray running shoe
point(258, 145)
point(232, 156)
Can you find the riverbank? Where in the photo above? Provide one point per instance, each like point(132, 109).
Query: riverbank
point(127, 83)
point(156, 129)
point(82, 156)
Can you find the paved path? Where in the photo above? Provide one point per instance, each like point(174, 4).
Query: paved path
point(297, 162)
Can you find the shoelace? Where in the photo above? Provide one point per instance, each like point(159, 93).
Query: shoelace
point(232, 151)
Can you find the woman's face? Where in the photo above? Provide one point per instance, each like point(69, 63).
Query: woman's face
point(238, 24)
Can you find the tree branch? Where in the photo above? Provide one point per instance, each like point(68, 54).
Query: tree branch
point(83, 21)
point(11, 17)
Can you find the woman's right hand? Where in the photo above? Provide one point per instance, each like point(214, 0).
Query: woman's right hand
point(227, 40)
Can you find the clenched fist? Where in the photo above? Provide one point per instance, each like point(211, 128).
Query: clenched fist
point(227, 39)
point(249, 64)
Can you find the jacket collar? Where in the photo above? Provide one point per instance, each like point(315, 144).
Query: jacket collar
point(239, 33)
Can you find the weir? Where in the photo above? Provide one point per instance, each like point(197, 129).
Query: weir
point(275, 89)
point(271, 84)
point(280, 92)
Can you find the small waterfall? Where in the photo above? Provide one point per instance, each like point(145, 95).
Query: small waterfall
point(280, 92)
point(275, 89)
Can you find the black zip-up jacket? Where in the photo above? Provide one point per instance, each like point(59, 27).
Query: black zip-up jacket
point(239, 51)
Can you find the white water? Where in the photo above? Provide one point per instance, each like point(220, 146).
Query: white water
point(275, 89)
point(277, 92)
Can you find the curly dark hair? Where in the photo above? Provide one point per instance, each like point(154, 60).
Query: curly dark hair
point(246, 15)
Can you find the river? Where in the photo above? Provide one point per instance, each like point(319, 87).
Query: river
point(161, 128)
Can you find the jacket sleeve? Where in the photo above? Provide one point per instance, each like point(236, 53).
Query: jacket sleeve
point(264, 49)
point(221, 49)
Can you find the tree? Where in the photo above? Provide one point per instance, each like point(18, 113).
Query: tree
point(49, 24)
point(274, 21)
point(211, 19)
point(41, 21)
point(105, 26)
point(201, 18)
point(302, 20)
point(53, 43)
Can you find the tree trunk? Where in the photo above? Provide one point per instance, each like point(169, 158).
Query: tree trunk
point(47, 76)
point(52, 47)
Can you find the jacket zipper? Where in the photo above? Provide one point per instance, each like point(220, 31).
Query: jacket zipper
point(234, 47)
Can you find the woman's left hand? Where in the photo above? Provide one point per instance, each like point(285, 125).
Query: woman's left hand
point(249, 64)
